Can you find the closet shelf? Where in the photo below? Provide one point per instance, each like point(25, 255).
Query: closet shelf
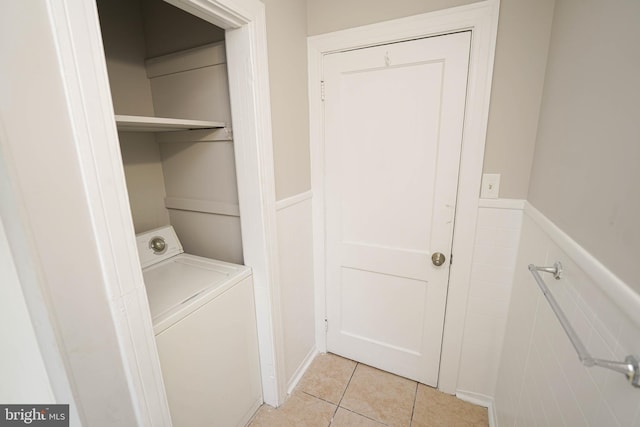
point(161, 124)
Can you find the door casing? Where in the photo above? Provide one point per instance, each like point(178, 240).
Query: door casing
point(482, 20)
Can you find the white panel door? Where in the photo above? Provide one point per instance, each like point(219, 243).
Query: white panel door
point(393, 130)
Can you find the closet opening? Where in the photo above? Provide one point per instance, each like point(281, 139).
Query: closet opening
point(168, 78)
point(171, 98)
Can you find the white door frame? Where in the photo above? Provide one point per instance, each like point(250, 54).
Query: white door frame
point(247, 65)
point(83, 79)
point(482, 19)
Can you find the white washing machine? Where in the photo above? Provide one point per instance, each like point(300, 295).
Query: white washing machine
point(204, 320)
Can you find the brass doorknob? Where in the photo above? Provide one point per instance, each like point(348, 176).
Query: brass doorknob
point(438, 259)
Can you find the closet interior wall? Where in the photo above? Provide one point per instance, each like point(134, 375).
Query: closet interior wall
point(164, 62)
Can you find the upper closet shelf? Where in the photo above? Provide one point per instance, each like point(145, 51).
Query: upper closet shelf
point(161, 124)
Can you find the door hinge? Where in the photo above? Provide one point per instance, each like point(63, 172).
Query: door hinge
point(322, 90)
point(450, 259)
point(326, 325)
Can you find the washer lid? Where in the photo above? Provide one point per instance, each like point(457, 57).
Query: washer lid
point(157, 245)
point(182, 278)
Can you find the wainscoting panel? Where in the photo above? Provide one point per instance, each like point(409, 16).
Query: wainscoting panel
point(295, 250)
point(494, 258)
point(540, 379)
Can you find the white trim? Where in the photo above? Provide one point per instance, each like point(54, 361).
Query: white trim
point(482, 19)
point(418, 26)
point(227, 14)
point(493, 414)
point(480, 400)
point(515, 204)
point(293, 200)
point(247, 65)
point(475, 398)
point(302, 369)
point(316, 159)
point(82, 66)
point(610, 284)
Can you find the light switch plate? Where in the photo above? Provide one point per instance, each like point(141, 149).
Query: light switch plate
point(490, 188)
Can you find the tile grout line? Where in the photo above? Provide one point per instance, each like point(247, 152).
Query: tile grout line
point(338, 405)
point(348, 382)
point(364, 416)
point(343, 393)
point(322, 400)
point(415, 399)
point(317, 397)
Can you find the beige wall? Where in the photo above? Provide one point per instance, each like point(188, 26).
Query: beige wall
point(22, 364)
point(287, 46)
point(145, 182)
point(169, 29)
point(124, 46)
point(524, 30)
point(586, 174)
point(121, 23)
point(523, 36)
point(325, 16)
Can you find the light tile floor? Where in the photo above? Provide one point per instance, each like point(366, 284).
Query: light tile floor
point(339, 392)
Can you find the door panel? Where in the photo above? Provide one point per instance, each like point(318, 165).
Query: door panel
point(393, 132)
point(401, 299)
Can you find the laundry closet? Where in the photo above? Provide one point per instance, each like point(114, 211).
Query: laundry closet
point(168, 79)
point(166, 64)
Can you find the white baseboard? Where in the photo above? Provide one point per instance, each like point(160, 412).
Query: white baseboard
point(297, 376)
point(480, 400)
point(493, 416)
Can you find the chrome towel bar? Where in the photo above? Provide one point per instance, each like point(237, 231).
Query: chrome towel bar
point(629, 368)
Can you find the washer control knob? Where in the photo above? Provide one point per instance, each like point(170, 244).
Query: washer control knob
point(158, 245)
